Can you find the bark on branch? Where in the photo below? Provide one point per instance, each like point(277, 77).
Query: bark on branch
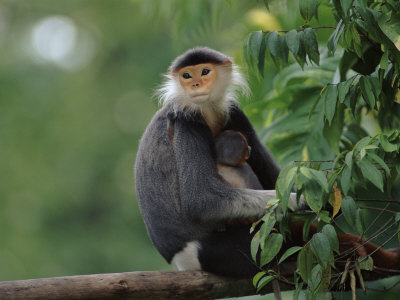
point(131, 285)
point(137, 285)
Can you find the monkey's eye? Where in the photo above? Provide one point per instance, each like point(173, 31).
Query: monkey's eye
point(205, 72)
point(186, 75)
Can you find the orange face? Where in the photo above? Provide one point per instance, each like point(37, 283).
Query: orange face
point(198, 80)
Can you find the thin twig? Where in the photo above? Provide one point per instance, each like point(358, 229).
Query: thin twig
point(377, 233)
point(374, 221)
point(385, 242)
point(302, 29)
point(377, 200)
point(311, 161)
point(379, 209)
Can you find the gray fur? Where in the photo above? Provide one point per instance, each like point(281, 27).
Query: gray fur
point(181, 196)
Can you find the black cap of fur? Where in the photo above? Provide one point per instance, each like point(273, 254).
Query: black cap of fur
point(195, 56)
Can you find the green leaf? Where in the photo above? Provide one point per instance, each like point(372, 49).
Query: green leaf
point(261, 56)
point(363, 151)
point(254, 246)
point(301, 54)
point(384, 60)
point(329, 101)
point(246, 51)
point(351, 214)
point(255, 44)
point(334, 38)
point(390, 25)
point(308, 9)
point(347, 39)
point(345, 180)
point(318, 176)
point(346, 4)
point(343, 88)
point(273, 43)
point(313, 196)
point(330, 233)
point(351, 99)
point(306, 227)
point(386, 145)
point(264, 281)
point(394, 135)
point(349, 159)
point(269, 222)
point(305, 263)
point(257, 278)
point(318, 245)
point(323, 215)
point(356, 40)
point(366, 263)
point(370, 172)
point(317, 101)
point(283, 49)
point(333, 132)
point(338, 8)
point(284, 184)
point(293, 41)
point(315, 278)
point(376, 86)
point(362, 143)
point(289, 252)
point(367, 91)
point(380, 162)
point(272, 246)
point(311, 45)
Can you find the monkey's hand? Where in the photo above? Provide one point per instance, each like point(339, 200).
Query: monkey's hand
point(269, 195)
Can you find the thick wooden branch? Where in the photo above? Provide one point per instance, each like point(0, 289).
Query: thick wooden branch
point(139, 285)
point(132, 285)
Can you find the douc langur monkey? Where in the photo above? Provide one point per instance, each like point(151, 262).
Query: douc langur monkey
point(183, 199)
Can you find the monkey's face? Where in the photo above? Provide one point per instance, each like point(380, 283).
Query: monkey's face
point(198, 81)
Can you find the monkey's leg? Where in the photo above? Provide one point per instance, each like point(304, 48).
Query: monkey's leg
point(227, 253)
point(350, 244)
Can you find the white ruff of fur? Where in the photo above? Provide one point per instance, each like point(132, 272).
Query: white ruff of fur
point(224, 94)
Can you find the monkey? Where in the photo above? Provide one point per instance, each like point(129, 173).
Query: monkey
point(232, 153)
point(182, 197)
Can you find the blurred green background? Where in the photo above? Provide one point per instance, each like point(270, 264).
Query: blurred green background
point(76, 85)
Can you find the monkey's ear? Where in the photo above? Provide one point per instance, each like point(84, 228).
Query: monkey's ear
point(248, 152)
point(227, 64)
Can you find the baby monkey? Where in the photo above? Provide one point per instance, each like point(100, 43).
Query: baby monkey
point(232, 152)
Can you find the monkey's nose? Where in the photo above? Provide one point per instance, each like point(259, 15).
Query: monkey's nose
point(195, 85)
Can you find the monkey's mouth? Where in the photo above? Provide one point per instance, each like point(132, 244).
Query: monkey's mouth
point(194, 95)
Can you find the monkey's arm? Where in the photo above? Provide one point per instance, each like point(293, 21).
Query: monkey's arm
point(203, 194)
point(260, 160)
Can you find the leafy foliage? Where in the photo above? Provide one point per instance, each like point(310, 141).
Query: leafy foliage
point(320, 101)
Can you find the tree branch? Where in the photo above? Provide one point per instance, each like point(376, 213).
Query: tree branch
point(140, 285)
point(302, 29)
point(131, 285)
